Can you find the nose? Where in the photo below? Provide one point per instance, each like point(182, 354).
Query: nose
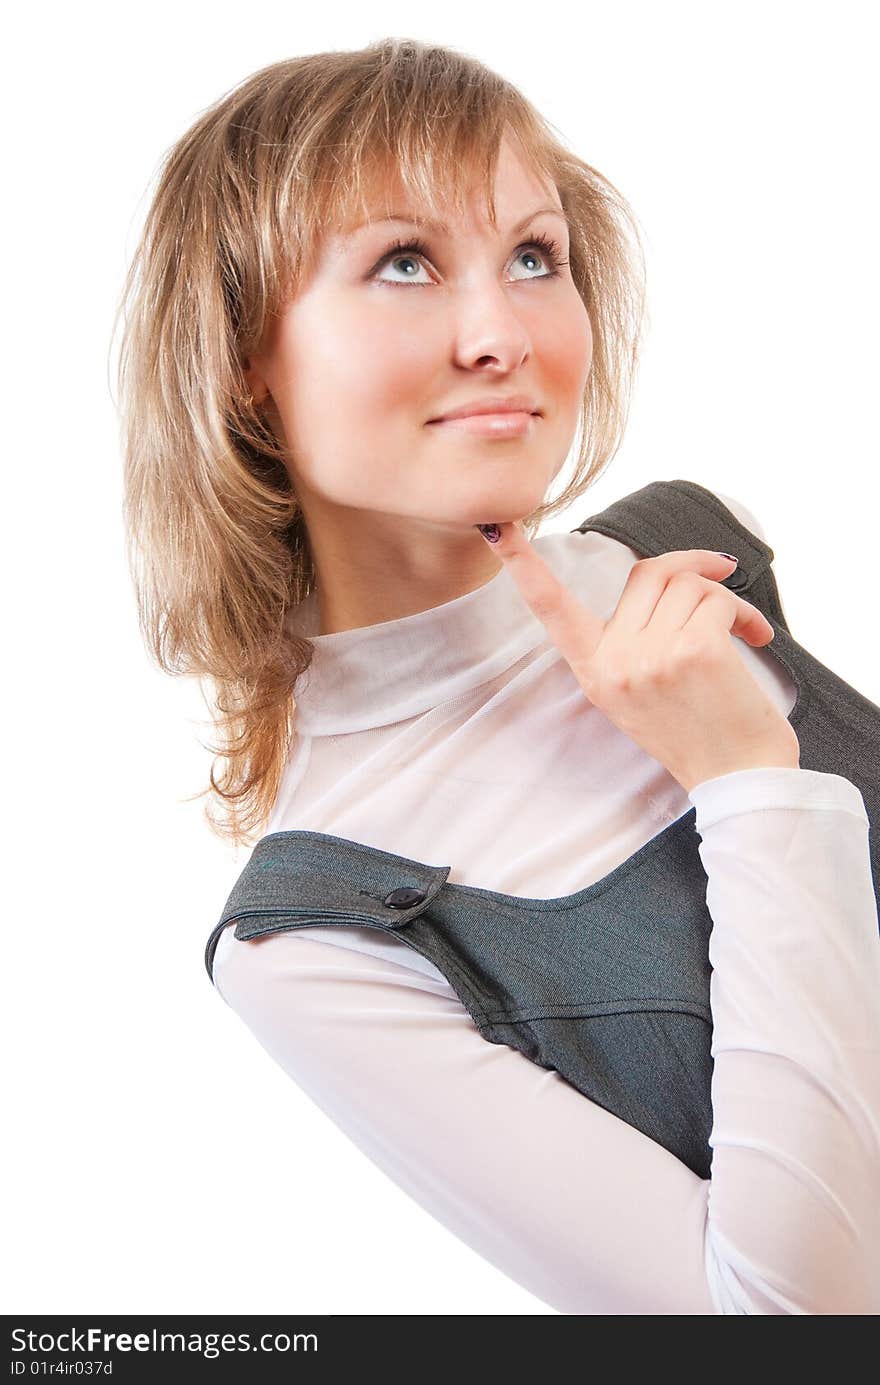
point(489, 327)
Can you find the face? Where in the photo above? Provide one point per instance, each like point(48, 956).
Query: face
point(380, 341)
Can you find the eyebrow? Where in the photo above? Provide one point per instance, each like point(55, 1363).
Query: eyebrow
point(440, 226)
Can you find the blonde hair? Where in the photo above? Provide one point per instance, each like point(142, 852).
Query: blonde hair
point(216, 544)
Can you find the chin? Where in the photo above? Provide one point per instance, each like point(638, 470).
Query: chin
point(502, 511)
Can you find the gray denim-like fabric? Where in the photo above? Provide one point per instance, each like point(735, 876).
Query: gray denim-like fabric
point(608, 986)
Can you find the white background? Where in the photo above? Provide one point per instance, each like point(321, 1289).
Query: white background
point(157, 1160)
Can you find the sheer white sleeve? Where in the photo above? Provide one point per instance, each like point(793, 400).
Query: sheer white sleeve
point(567, 1199)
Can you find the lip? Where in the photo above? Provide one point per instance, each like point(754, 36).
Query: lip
point(511, 424)
point(490, 405)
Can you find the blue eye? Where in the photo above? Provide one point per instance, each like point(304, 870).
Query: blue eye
point(416, 248)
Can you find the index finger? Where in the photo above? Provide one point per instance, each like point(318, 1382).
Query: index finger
point(573, 627)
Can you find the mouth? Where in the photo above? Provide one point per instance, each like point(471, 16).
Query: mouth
point(509, 423)
point(484, 405)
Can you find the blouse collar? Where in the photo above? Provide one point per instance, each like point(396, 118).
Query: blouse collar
point(379, 674)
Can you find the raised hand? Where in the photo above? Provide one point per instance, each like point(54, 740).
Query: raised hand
point(664, 668)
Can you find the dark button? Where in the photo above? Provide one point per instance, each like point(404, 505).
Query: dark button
point(737, 579)
point(404, 898)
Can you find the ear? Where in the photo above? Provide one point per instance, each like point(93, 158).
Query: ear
point(255, 382)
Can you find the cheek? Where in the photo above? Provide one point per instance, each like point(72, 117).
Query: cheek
point(568, 352)
point(353, 369)
point(339, 383)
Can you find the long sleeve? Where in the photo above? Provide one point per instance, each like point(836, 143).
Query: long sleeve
point(794, 1201)
point(561, 1195)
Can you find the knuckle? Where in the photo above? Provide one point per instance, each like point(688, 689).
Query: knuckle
point(714, 652)
point(544, 597)
point(690, 652)
point(546, 606)
point(666, 667)
point(615, 676)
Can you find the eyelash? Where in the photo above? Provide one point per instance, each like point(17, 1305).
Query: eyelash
point(546, 244)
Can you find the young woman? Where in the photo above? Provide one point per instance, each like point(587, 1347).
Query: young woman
point(374, 302)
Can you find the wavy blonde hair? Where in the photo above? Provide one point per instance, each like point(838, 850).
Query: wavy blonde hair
point(216, 544)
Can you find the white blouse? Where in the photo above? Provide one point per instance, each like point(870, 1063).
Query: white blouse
point(459, 735)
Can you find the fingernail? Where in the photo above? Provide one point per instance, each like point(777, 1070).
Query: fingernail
point(731, 556)
point(490, 532)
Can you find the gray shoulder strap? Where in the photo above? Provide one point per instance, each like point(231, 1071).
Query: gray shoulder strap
point(668, 515)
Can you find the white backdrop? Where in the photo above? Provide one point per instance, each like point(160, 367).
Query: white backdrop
point(157, 1160)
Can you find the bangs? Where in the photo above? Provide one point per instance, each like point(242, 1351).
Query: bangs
point(426, 155)
point(432, 170)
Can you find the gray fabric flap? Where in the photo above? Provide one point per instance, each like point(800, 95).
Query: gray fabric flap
point(358, 882)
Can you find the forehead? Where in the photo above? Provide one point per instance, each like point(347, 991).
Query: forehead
point(456, 198)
